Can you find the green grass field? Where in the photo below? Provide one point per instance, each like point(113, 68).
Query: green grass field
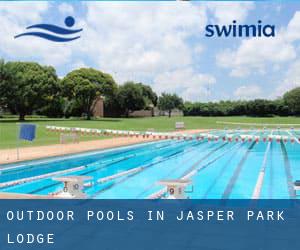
point(9, 127)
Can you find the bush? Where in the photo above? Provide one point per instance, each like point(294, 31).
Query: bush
point(258, 107)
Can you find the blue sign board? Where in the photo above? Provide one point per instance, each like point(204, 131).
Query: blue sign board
point(27, 132)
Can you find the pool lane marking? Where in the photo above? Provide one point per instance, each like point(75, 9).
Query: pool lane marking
point(126, 172)
point(295, 138)
point(168, 174)
point(54, 159)
point(287, 168)
point(94, 170)
point(111, 152)
point(222, 171)
point(54, 184)
point(103, 164)
point(115, 176)
point(160, 193)
point(194, 171)
point(271, 178)
point(111, 177)
point(28, 167)
point(132, 156)
point(145, 167)
point(38, 177)
point(194, 166)
point(260, 179)
point(237, 172)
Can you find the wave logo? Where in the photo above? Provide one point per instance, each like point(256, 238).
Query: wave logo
point(59, 34)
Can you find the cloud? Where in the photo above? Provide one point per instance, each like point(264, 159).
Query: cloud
point(139, 41)
point(141, 38)
point(248, 92)
point(14, 18)
point(23, 12)
point(187, 83)
point(293, 28)
point(226, 12)
point(159, 44)
point(254, 55)
point(198, 49)
point(65, 8)
point(291, 80)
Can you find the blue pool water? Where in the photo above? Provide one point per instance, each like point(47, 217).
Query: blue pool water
point(221, 169)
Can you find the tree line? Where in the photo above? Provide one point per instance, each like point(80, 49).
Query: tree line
point(289, 104)
point(30, 88)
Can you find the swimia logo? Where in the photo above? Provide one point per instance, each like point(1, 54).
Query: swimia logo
point(238, 30)
point(52, 32)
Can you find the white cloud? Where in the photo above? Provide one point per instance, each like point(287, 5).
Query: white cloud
point(65, 8)
point(293, 28)
point(131, 41)
point(247, 92)
point(226, 12)
point(151, 43)
point(77, 64)
point(188, 84)
point(198, 49)
point(23, 11)
point(292, 76)
point(255, 54)
point(141, 38)
point(291, 80)
point(14, 18)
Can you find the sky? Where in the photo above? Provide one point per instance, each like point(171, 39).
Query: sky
point(163, 44)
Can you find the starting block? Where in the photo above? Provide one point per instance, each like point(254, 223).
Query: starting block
point(73, 186)
point(176, 188)
point(296, 186)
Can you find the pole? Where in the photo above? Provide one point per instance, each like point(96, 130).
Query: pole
point(17, 141)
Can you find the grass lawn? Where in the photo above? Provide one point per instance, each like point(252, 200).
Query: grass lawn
point(9, 127)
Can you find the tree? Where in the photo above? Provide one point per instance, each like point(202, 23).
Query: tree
point(281, 107)
point(131, 98)
point(260, 107)
point(292, 100)
point(3, 83)
point(26, 86)
point(84, 85)
point(149, 94)
point(167, 102)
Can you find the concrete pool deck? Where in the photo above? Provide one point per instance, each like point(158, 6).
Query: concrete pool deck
point(31, 153)
point(24, 196)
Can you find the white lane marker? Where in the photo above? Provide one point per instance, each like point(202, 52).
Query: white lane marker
point(261, 175)
point(34, 178)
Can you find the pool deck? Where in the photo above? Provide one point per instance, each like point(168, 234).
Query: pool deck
point(24, 196)
point(31, 153)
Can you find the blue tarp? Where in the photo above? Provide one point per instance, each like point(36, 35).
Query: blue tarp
point(27, 132)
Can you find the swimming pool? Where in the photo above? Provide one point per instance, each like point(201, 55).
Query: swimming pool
point(218, 169)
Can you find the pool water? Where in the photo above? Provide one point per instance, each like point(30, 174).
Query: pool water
point(221, 169)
